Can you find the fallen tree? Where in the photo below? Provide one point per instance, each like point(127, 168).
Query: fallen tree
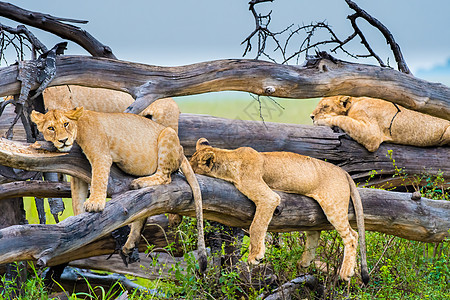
point(388, 212)
point(320, 76)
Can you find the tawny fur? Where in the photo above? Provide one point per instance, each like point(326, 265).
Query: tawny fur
point(372, 121)
point(163, 111)
point(139, 146)
point(257, 174)
point(66, 97)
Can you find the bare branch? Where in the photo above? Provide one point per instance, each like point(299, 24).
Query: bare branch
point(402, 66)
point(265, 36)
point(55, 26)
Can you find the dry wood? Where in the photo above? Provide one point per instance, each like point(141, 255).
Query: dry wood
point(56, 26)
point(387, 212)
point(318, 77)
point(146, 268)
point(34, 188)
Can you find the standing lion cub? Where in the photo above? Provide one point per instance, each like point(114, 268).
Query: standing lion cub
point(255, 174)
point(138, 146)
point(371, 121)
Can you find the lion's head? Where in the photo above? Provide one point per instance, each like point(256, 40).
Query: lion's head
point(58, 126)
point(163, 111)
point(331, 106)
point(202, 161)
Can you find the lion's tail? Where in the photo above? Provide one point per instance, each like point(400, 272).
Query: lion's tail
point(192, 180)
point(357, 204)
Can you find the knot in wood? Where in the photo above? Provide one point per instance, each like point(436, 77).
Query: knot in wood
point(269, 90)
point(416, 196)
point(278, 210)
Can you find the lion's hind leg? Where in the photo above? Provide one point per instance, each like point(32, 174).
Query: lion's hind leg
point(336, 211)
point(312, 241)
point(79, 191)
point(134, 236)
point(170, 155)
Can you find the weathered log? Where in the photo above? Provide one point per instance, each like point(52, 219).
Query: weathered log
point(34, 188)
point(388, 212)
point(318, 77)
point(145, 268)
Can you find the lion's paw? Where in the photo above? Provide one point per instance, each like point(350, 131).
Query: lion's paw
point(323, 122)
point(255, 259)
point(94, 206)
point(346, 272)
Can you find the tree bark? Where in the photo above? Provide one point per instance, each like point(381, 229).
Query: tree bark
point(319, 77)
point(388, 212)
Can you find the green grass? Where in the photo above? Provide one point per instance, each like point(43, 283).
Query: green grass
point(239, 105)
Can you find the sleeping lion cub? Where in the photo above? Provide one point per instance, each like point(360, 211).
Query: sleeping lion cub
point(138, 146)
point(255, 174)
point(372, 121)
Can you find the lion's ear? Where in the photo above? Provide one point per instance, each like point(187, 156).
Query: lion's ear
point(207, 160)
point(201, 143)
point(75, 113)
point(38, 119)
point(345, 101)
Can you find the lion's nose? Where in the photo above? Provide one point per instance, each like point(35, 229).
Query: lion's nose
point(63, 141)
point(312, 117)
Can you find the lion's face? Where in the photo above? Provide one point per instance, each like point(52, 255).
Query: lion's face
point(331, 106)
point(202, 161)
point(58, 126)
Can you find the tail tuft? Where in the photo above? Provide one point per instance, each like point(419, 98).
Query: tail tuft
point(202, 262)
point(365, 276)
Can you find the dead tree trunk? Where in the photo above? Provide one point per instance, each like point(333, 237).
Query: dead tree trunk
point(319, 77)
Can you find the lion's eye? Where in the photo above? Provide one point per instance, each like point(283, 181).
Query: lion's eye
point(66, 124)
point(325, 106)
point(51, 128)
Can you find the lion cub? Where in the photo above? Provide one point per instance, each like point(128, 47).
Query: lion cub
point(138, 146)
point(372, 121)
point(255, 174)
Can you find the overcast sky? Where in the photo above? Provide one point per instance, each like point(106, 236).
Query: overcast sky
point(179, 32)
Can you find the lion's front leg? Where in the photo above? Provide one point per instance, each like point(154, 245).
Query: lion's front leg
point(170, 155)
point(365, 133)
point(266, 202)
point(99, 184)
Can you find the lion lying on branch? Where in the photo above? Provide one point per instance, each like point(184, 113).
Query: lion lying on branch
point(256, 174)
point(371, 121)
